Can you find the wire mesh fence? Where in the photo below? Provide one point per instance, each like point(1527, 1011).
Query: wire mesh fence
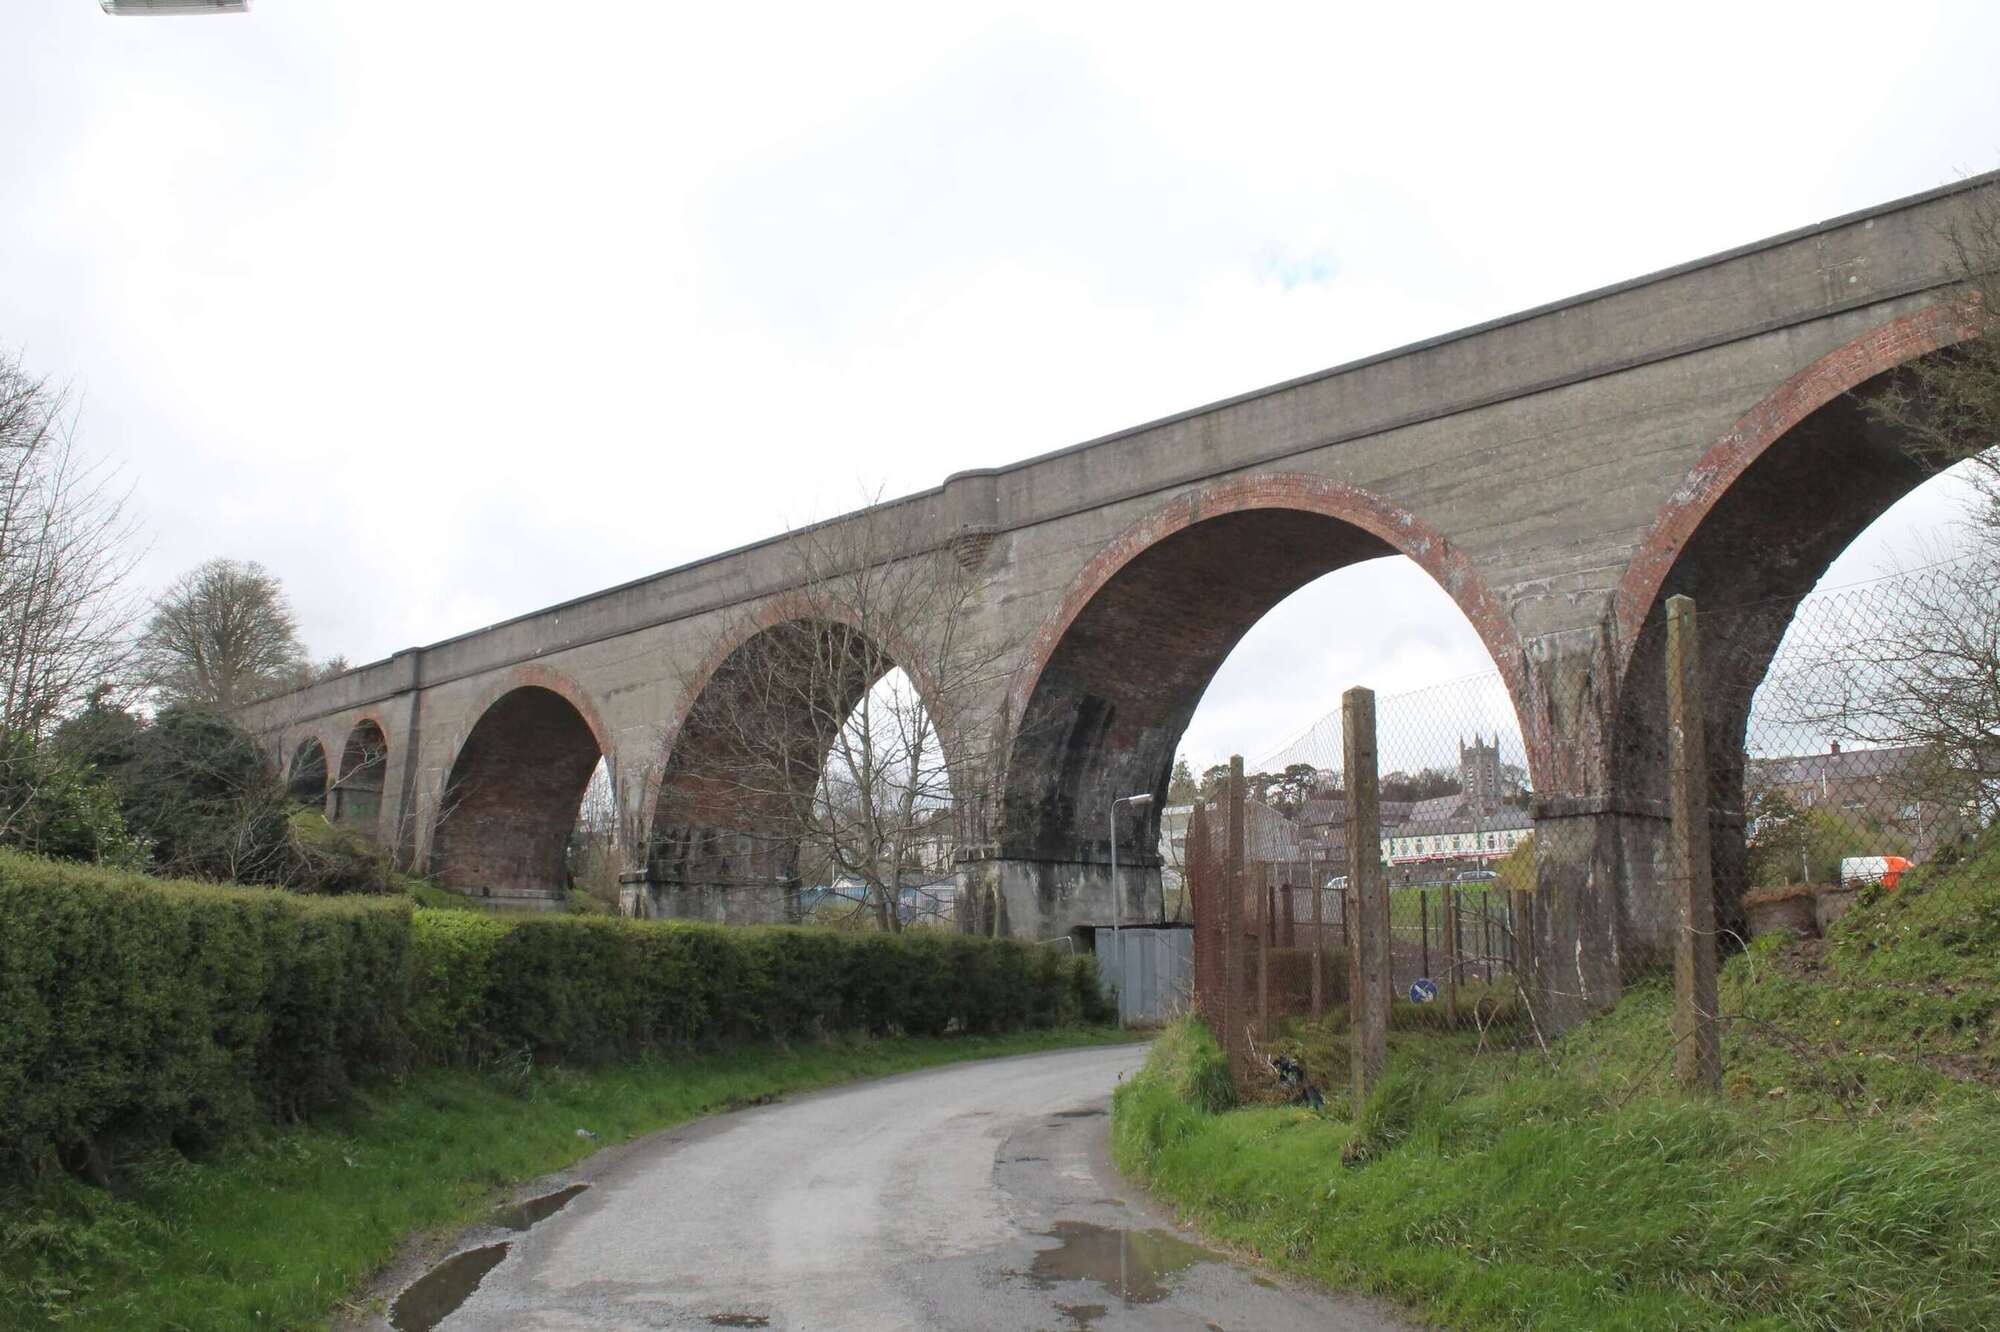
point(1858, 847)
point(1446, 832)
point(1824, 772)
point(1875, 735)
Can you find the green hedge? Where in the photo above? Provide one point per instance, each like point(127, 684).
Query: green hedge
point(133, 1009)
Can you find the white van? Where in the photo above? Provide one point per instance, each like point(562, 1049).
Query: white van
point(1859, 871)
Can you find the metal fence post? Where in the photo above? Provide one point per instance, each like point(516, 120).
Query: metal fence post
point(1451, 950)
point(1697, 1043)
point(1368, 960)
point(1319, 940)
point(1424, 930)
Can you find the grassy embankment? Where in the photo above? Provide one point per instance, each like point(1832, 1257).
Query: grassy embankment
point(280, 1230)
point(1849, 1177)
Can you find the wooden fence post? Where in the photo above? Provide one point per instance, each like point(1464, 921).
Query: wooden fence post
point(1368, 958)
point(1697, 1041)
point(1233, 1006)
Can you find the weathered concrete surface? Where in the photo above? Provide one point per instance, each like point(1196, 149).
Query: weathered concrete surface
point(972, 1197)
point(1560, 472)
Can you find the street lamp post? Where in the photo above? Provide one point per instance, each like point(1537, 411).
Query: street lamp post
point(1118, 903)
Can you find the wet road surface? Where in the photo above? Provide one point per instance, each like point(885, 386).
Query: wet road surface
point(978, 1196)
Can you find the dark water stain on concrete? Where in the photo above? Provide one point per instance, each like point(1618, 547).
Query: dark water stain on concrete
point(1079, 1114)
point(521, 1215)
point(432, 1296)
point(1134, 1265)
point(738, 1320)
point(1082, 1317)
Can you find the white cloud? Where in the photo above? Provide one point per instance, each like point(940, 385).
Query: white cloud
point(447, 312)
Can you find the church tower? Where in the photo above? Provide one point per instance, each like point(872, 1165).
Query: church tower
point(1479, 774)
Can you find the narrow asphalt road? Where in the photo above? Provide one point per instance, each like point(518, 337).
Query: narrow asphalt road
point(971, 1197)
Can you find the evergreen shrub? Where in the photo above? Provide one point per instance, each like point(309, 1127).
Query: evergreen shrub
point(139, 1010)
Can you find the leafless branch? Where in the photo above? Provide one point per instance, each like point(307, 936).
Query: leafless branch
point(830, 744)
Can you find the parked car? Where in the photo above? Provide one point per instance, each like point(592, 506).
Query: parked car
point(1475, 876)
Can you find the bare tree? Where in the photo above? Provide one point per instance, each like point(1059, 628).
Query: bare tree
point(1947, 405)
point(222, 635)
point(1929, 675)
point(1911, 661)
point(835, 739)
point(68, 544)
point(595, 854)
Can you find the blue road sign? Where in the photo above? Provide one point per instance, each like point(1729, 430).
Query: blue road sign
point(1423, 990)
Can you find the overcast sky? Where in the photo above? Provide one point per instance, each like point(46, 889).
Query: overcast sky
point(448, 311)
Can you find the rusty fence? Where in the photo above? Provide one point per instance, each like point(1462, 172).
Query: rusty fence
point(1442, 810)
point(1777, 765)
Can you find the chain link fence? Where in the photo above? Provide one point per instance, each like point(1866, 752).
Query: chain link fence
point(1450, 833)
point(1814, 783)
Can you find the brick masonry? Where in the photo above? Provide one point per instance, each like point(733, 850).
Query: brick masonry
point(1557, 472)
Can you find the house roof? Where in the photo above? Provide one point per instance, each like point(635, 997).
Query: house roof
point(1834, 766)
point(1437, 809)
point(1448, 814)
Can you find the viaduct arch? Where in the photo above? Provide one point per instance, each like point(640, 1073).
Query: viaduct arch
point(1559, 472)
point(503, 818)
point(750, 742)
point(1113, 678)
point(306, 778)
point(355, 797)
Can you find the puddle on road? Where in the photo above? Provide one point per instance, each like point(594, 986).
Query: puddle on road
point(521, 1215)
point(1134, 1265)
point(738, 1320)
point(1079, 1114)
point(432, 1296)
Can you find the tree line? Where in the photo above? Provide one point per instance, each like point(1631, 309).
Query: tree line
point(115, 742)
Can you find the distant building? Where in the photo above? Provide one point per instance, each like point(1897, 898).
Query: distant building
point(1449, 828)
point(1479, 773)
point(1267, 836)
point(1414, 833)
point(1850, 779)
point(1881, 787)
point(1323, 827)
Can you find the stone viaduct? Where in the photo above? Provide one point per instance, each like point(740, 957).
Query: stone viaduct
point(1559, 472)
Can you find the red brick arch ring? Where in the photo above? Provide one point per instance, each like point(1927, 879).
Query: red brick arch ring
point(533, 675)
point(1839, 371)
point(1394, 525)
point(512, 816)
point(355, 723)
point(784, 609)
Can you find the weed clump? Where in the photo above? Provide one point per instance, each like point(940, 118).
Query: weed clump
point(1189, 1061)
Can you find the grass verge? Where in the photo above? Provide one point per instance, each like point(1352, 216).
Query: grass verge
point(280, 1230)
point(1848, 1177)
